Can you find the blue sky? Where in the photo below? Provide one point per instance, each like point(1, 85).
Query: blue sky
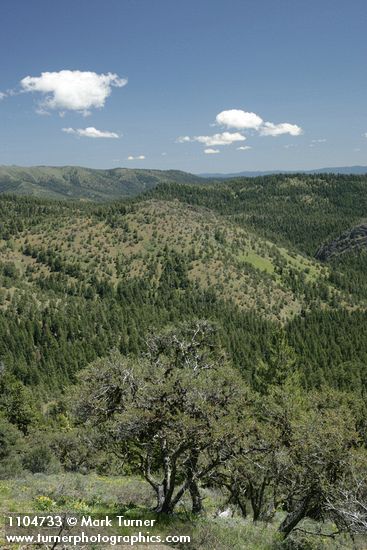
point(280, 84)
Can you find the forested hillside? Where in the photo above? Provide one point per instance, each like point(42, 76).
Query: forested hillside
point(143, 264)
point(241, 257)
point(296, 209)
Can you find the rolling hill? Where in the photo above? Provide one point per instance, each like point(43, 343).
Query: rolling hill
point(213, 253)
point(78, 183)
point(299, 210)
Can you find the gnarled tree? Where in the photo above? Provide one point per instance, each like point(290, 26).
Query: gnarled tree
point(173, 414)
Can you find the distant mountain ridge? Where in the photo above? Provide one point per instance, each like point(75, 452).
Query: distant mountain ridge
point(79, 183)
point(253, 174)
point(100, 185)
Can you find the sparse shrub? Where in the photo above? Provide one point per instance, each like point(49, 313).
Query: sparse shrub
point(10, 446)
point(135, 493)
point(40, 459)
point(305, 541)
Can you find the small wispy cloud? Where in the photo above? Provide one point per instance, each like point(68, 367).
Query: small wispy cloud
point(91, 132)
point(211, 151)
point(138, 157)
point(315, 142)
point(2, 95)
point(244, 148)
point(270, 129)
point(224, 138)
point(183, 139)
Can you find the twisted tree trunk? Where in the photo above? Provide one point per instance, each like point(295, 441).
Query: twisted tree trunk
point(293, 518)
point(192, 465)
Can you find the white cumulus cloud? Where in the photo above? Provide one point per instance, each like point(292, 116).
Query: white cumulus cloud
point(244, 120)
point(90, 132)
point(211, 151)
point(72, 90)
point(139, 157)
point(2, 95)
point(236, 118)
point(270, 129)
point(244, 148)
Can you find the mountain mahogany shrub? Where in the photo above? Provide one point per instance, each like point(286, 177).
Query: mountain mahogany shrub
point(319, 454)
point(175, 414)
point(304, 455)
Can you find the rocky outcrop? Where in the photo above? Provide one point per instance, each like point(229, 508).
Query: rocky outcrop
point(355, 238)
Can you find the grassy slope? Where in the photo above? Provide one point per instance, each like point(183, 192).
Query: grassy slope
point(133, 498)
point(235, 262)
